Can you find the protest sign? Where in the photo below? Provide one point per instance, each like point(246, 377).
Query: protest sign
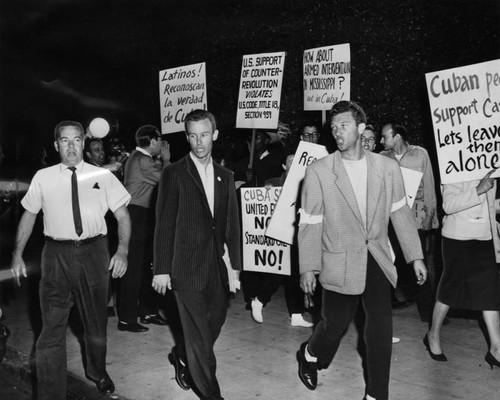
point(284, 219)
point(260, 253)
point(411, 180)
point(465, 110)
point(327, 76)
point(182, 90)
point(260, 91)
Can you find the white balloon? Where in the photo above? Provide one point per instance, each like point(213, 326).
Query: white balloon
point(99, 127)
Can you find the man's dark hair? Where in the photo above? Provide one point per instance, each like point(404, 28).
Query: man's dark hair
point(145, 134)
point(398, 129)
point(63, 124)
point(200, 115)
point(89, 141)
point(370, 127)
point(310, 123)
point(348, 106)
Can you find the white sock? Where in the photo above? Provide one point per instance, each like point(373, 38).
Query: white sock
point(368, 397)
point(308, 356)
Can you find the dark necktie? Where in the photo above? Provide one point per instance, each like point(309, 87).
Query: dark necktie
point(77, 218)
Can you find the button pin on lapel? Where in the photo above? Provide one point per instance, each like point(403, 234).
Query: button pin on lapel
point(219, 179)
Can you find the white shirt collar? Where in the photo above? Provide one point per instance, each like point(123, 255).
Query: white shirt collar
point(78, 166)
point(141, 150)
point(200, 165)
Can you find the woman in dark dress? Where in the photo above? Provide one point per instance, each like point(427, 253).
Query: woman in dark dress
point(471, 251)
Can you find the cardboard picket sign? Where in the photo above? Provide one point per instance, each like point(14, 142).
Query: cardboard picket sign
point(260, 91)
point(182, 90)
point(327, 76)
point(465, 111)
point(261, 253)
point(284, 219)
point(411, 180)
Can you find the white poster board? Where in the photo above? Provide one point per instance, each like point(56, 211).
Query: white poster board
point(182, 90)
point(260, 91)
point(284, 219)
point(411, 180)
point(465, 111)
point(327, 76)
point(260, 253)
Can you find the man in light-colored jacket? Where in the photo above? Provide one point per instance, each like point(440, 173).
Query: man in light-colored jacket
point(348, 198)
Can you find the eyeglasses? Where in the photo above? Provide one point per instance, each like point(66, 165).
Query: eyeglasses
point(369, 140)
point(311, 134)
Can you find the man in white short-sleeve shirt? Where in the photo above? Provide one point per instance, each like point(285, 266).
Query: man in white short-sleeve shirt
point(74, 197)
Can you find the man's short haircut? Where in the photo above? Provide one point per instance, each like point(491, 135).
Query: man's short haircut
point(348, 106)
point(370, 127)
point(63, 124)
point(398, 129)
point(310, 123)
point(89, 141)
point(200, 115)
point(145, 134)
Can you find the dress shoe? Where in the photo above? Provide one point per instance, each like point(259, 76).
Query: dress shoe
point(308, 371)
point(298, 320)
point(398, 305)
point(134, 327)
point(257, 311)
point(105, 386)
point(436, 357)
point(155, 319)
point(491, 360)
point(181, 370)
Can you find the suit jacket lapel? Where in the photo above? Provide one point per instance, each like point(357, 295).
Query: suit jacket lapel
point(375, 186)
point(193, 172)
point(218, 187)
point(344, 184)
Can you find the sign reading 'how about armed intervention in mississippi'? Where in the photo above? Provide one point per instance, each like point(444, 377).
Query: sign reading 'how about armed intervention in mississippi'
point(327, 76)
point(465, 110)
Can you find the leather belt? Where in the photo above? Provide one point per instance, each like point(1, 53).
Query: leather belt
point(74, 242)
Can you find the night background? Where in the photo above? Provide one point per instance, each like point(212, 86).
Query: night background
point(82, 59)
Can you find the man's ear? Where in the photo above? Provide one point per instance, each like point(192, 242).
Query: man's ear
point(215, 135)
point(56, 146)
point(361, 127)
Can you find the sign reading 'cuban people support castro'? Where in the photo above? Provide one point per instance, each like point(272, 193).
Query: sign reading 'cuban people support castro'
point(465, 111)
point(260, 91)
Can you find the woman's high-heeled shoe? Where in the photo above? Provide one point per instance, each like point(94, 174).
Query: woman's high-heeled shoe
point(490, 359)
point(436, 357)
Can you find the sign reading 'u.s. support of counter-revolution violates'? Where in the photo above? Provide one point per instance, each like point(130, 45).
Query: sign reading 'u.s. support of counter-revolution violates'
point(260, 91)
point(465, 111)
point(182, 90)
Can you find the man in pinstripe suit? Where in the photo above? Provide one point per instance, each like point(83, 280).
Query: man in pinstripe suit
point(348, 198)
point(197, 223)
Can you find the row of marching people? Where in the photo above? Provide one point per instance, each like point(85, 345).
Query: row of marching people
point(348, 200)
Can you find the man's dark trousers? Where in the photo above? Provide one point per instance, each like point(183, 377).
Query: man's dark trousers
point(338, 311)
point(202, 316)
point(142, 220)
point(71, 275)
